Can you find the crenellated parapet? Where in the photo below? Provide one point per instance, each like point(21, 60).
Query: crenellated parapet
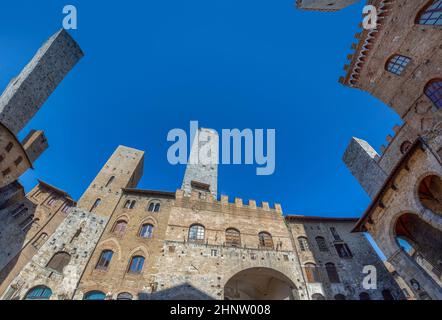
point(225, 205)
point(366, 41)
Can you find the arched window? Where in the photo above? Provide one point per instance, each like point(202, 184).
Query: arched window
point(430, 193)
point(405, 146)
point(39, 293)
point(364, 296)
point(51, 201)
point(40, 241)
point(19, 211)
point(340, 296)
point(431, 14)
point(109, 182)
point(120, 227)
point(136, 265)
point(303, 244)
point(322, 245)
point(66, 209)
point(332, 273)
point(233, 238)
point(433, 90)
point(130, 204)
point(94, 295)
point(265, 240)
point(124, 296)
point(311, 273)
point(28, 222)
point(196, 233)
point(96, 204)
point(386, 294)
point(343, 250)
point(318, 296)
point(9, 147)
point(146, 231)
point(104, 260)
point(397, 64)
point(154, 206)
point(59, 261)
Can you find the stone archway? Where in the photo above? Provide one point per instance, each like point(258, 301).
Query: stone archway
point(259, 283)
point(422, 242)
point(430, 193)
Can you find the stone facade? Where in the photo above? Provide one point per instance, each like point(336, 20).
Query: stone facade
point(399, 62)
point(76, 237)
point(149, 245)
point(127, 243)
point(27, 223)
point(319, 242)
point(13, 158)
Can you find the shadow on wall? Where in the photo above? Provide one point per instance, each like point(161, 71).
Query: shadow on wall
point(184, 291)
point(22, 227)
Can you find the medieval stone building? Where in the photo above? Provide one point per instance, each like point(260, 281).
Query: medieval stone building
point(122, 242)
point(400, 63)
point(127, 243)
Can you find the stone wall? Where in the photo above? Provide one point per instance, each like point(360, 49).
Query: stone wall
point(404, 199)
point(185, 267)
point(76, 236)
point(349, 269)
point(26, 226)
point(127, 244)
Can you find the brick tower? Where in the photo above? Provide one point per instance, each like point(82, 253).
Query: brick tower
point(123, 170)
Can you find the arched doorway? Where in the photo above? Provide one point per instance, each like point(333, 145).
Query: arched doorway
point(430, 193)
point(422, 242)
point(259, 284)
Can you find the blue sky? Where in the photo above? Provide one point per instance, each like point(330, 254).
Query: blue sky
point(151, 66)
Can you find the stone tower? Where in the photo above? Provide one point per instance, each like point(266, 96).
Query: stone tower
point(324, 5)
point(27, 92)
point(362, 161)
point(123, 170)
point(35, 144)
point(202, 169)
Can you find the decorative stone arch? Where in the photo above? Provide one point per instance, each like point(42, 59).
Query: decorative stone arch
point(124, 217)
point(417, 194)
point(284, 277)
point(96, 287)
point(154, 202)
point(150, 219)
point(125, 290)
point(392, 243)
point(421, 260)
point(139, 251)
point(110, 244)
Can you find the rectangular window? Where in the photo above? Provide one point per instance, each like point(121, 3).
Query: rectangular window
point(343, 250)
point(9, 147)
point(27, 223)
point(18, 161)
point(335, 234)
